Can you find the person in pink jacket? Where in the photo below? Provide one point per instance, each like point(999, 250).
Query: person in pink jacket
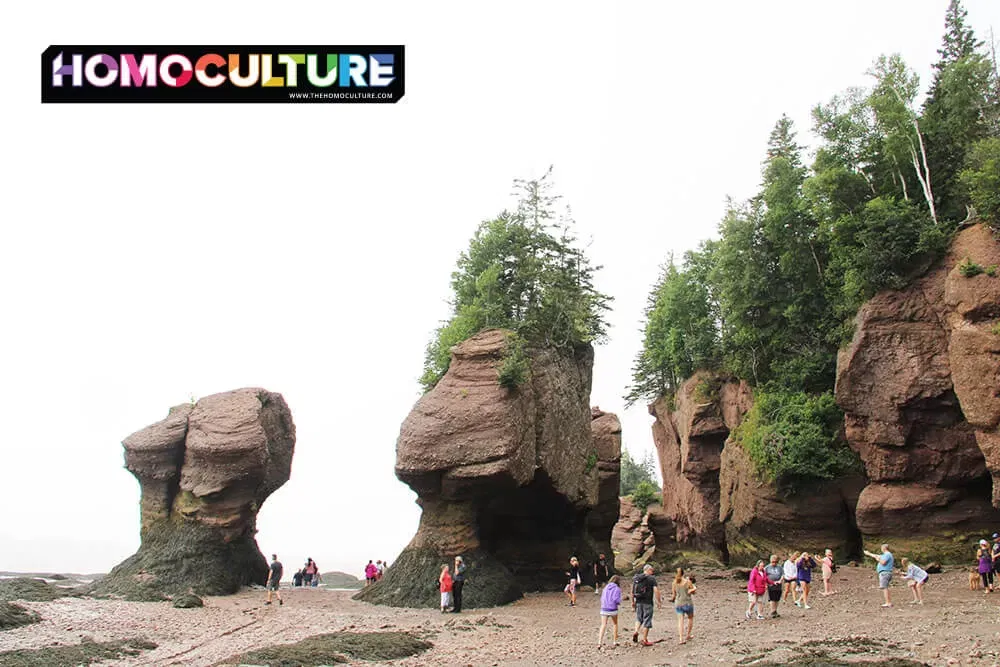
point(756, 588)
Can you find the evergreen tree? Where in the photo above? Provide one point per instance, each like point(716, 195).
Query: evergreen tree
point(523, 271)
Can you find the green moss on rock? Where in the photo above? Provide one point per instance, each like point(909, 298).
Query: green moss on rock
point(333, 648)
point(178, 557)
point(85, 653)
point(14, 616)
point(412, 581)
point(188, 601)
point(32, 590)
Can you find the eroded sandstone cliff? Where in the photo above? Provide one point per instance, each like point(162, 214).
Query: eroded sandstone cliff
point(204, 473)
point(512, 480)
point(920, 388)
point(712, 496)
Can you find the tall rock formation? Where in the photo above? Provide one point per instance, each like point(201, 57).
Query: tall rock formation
point(642, 537)
point(920, 388)
point(512, 480)
point(204, 472)
point(716, 502)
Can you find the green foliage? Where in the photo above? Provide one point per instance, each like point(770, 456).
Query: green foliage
point(772, 299)
point(981, 179)
point(681, 334)
point(969, 269)
point(645, 494)
point(591, 462)
point(995, 329)
point(634, 473)
point(523, 271)
point(707, 389)
point(880, 247)
point(515, 367)
point(792, 437)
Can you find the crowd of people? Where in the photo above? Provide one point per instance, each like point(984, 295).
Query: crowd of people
point(768, 583)
point(374, 571)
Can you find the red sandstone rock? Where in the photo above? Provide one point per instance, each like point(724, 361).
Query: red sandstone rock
point(920, 387)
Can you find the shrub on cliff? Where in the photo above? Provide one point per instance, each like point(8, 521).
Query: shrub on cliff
point(981, 177)
point(523, 271)
point(792, 438)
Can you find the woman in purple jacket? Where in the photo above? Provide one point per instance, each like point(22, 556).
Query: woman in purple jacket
point(611, 599)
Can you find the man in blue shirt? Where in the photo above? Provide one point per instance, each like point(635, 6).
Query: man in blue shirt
point(884, 570)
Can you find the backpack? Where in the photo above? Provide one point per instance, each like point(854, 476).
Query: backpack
point(642, 587)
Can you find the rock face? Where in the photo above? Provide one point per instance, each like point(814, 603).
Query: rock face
point(711, 495)
point(204, 472)
point(513, 480)
point(920, 388)
point(641, 537)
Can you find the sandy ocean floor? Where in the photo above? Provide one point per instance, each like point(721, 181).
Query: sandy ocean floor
point(954, 627)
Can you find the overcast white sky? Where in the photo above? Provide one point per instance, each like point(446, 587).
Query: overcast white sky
point(151, 253)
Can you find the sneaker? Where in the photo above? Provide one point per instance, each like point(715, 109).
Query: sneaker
point(774, 614)
point(635, 637)
point(807, 607)
point(887, 604)
point(748, 616)
point(267, 602)
point(280, 602)
point(647, 643)
point(798, 604)
point(913, 602)
point(759, 617)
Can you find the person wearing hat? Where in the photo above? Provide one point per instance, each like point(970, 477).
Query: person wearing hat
point(985, 570)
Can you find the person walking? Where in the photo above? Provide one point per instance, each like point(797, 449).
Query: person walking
point(574, 580)
point(297, 578)
point(370, 572)
point(379, 570)
point(457, 583)
point(274, 572)
point(995, 552)
point(985, 558)
point(602, 573)
point(775, 575)
point(681, 591)
point(827, 565)
point(803, 568)
point(756, 587)
point(644, 591)
point(791, 575)
point(883, 570)
point(445, 583)
point(309, 573)
point(610, 602)
point(917, 578)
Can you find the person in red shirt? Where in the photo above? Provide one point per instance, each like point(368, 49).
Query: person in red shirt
point(446, 585)
point(756, 588)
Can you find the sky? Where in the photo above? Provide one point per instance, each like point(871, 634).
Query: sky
point(155, 253)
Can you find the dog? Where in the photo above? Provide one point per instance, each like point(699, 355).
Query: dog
point(974, 581)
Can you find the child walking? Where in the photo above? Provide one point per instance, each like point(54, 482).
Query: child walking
point(611, 599)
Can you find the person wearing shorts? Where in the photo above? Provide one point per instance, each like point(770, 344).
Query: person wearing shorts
point(574, 580)
point(791, 575)
point(611, 600)
point(883, 571)
point(681, 591)
point(775, 574)
point(917, 578)
point(756, 588)
point(644, 591)
point(274, 573)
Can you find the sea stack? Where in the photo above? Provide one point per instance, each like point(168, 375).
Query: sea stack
point(204, 472)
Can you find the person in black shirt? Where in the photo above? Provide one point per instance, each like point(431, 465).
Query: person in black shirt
point(602, 572)
point(644, 591)
point(457, 584)
point(274, 579)
point(574, 580)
